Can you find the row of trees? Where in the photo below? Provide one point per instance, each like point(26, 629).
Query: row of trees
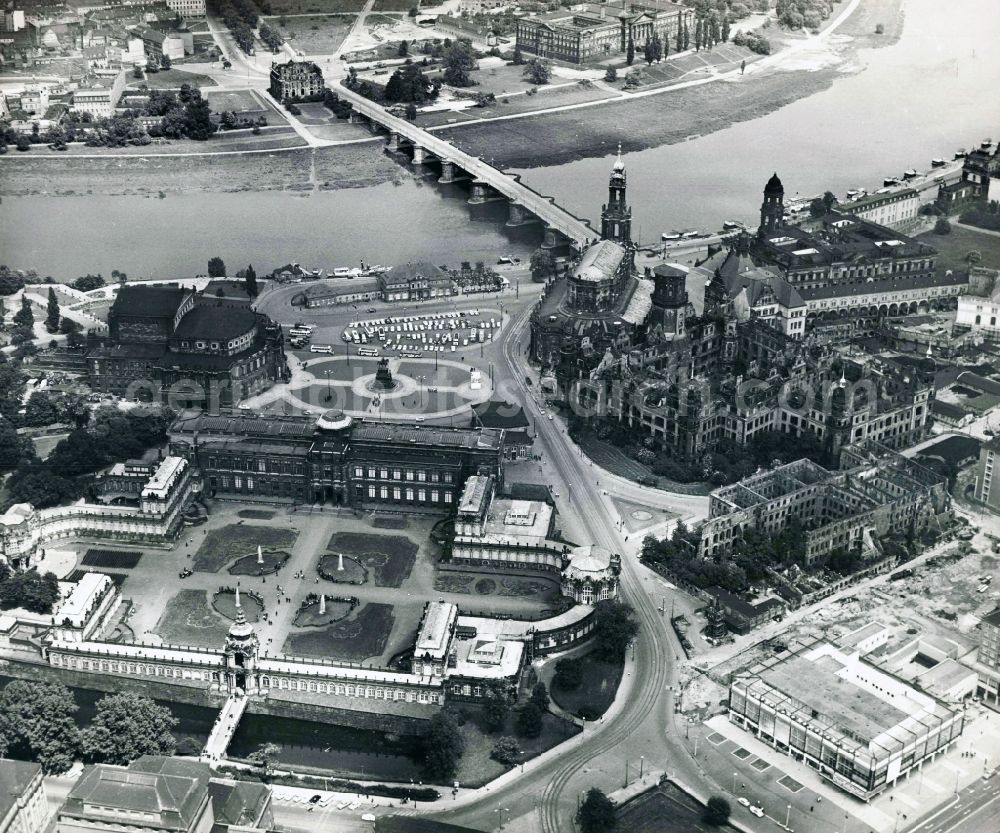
point(270, 37)
point(38, 723)
point(983, 215)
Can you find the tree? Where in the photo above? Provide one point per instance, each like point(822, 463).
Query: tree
point(37, 724)
point(648, 53)
point(725, 28)
point(443, 747)
point(88, 282)
point(698, 34)
point(127, 726)
point(942, 226)
point(265, 756)
point(518, 58)
point(717, 811)
point(119, 277)
point(137, 72)
point(596, 813)
point(615, 626)
point(495, 714)
point(611, 75)
point(543, 265)
point(973, 257)
point(165, 62)
point(24, 317)
point(458, 62)
point(537, 71)
point(52, 312)
point(657, 48)
point(529, 721)
point(411, 112)
point(216, 268)
point(198, 124)
point(13, 448)
point(404, 49)
point(30, 590)
point(408, 83)
point(829, 200)
point(540, 697)
point(569, 674)
point(250, 282)
point(630, 51)
point(816, 207)
point(879, 29)
point(679, 37)
point(23, 143)
point(506, 750)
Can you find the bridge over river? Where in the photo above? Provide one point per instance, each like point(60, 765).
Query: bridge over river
point(488, 183)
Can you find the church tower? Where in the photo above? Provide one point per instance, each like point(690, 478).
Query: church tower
point(772, 211)
point(616, 216)
point(670, 299)
point(242, 645)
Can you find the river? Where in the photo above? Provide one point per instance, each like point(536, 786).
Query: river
point(894, 108)
point(931, 92)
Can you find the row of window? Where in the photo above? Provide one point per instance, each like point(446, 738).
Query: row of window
point(372, 692)
point(382, 493)
point(420, 475)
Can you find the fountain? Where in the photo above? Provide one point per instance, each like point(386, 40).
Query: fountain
point(260, 555)
point(322, 604)
point(340, 562)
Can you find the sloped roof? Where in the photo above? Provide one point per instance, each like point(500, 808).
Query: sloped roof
point(148, 301)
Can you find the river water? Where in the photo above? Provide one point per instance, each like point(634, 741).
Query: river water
point(931, 92)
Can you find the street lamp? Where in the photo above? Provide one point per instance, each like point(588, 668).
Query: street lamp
point(329, 389)
point(642, 761)
point(788, 815)
point(501, 811)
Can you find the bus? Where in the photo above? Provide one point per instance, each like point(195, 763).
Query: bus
point(301, 332)
point(368, 351)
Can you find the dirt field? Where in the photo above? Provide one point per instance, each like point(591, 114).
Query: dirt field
point(314, 35)
point(290, 7)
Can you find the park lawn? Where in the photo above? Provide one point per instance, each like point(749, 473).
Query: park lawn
point(189, 620)
point(548, 96)
point(355, 639)
point(477, 767)
point(597, 691)
point(229, 542)
point(952, 248)
point(394, 5)
point(238, 101)
point(280, 7)
point(389, 558)
point(319, 35)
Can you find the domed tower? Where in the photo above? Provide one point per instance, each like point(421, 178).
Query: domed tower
point(616, 216)
point(772, 211)
point(242, 645)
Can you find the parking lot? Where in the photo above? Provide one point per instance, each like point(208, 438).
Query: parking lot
point(411, 336)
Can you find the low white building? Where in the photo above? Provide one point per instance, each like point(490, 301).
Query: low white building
point(591, 576)
point(896, 209)
point(100, 97)
point(86, 609)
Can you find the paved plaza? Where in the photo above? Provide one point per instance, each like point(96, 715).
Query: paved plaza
point(394, 554)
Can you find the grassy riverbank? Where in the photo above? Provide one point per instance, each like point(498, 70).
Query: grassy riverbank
point(347, 166)
point(557, 138)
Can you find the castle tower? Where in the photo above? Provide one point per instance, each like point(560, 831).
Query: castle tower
point(772, 210)
point(670, 299)
point(616, 216)
point(241, 650)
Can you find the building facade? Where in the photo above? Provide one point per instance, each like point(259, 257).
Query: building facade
point(877, 493)
point(895, 209)
point(23, 804)
point(174, 345)
point(592, 31)
point(295, 79)
point(862, 744)
point(99, 97)
point(989, 457)
point(336, 460)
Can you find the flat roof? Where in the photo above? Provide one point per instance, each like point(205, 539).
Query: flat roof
point(487, 656)
point(475, 492)
point(78, 603)
point(436, 629)
point(469, 438)
point(159, 483)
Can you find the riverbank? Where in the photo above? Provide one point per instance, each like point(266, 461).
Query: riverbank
point(673, 117)
point(346, 166)
point(530, 142)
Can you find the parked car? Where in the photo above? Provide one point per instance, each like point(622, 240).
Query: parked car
point(757, 811)
point(187, 571)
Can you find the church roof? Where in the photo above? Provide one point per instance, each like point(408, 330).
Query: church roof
point(774, 185)
point(148, 301)
point(600, 262)
point(221, 322)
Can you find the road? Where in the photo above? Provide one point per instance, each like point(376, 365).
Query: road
point(545, 798)
point(976, 809)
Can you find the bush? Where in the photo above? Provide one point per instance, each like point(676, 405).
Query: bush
point(942, 226)
point(879, 29)
point(529, 721)
point(506, 750)
point(717, 811)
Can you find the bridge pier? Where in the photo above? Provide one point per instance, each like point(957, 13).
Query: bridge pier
point(447, 172)
point(481, 192)
point(552, 238)
point(373, 126)
point(420, 154)
point(518, 215)
point(393, 143)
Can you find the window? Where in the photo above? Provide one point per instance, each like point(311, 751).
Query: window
point(422, 495)
point(397, 493)
point(447, 497)
point(422, 476)
point(434, 496)
point(397, 474)
point(371, 471)
point(371, 491)
point(409, 474)
point(357, 471)
point(384, 492)
point(384, 474)
point(409, 494)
